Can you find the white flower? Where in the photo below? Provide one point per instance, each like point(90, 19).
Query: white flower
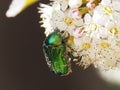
point(95, 34)
point(105, 41)
point(106, 12)
point(46, 16)
point(62, 4)
point(78, 32)
point(63, 21)
point(85, 45)
point(75, 3)
point(18, 6)
point(76, 16)
point(90, 27)
point(111, 76)
point(114, 30)
point(104, 55)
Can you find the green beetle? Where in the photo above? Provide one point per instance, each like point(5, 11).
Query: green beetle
point(57, 57)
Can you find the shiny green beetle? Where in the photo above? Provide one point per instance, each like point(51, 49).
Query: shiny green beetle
point(57, 58)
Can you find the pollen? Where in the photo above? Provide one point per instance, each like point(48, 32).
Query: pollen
point(108, 10)
point(105, 45)
point(71, 40)
point(86, 46)
point(68, 21)
point(114, 30)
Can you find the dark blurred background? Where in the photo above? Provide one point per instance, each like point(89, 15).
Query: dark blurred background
point(22, 63)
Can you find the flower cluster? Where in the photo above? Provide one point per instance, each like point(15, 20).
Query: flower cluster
point(93, 26)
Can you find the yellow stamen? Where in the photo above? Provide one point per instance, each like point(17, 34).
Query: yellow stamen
point(71, 40)
point(114, 30)
point(107, 10)
point(86, 46)
point(104, 45)
point(68, 21)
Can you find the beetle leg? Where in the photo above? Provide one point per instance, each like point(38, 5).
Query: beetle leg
point(65, 35)
point(74, 58)
point(68, 63)
point(74, 55)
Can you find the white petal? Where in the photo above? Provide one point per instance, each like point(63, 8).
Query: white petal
point(15, 8)
point(112, 76)
point(75, 3)
point(60, 25)
point(106, 2)
point(78, 22)
point(58, 15)
point(116, 5)
point(87, 19)
point(64, 5)
point(77, 41)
